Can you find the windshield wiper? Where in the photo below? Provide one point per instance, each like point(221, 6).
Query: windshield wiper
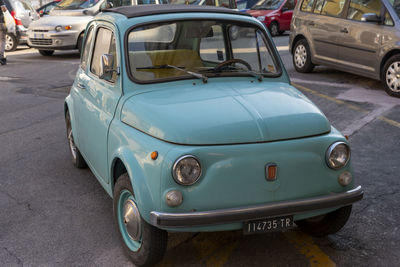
point(257, 75)
point(167, 66)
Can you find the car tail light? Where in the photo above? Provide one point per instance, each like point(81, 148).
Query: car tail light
point(17, 21)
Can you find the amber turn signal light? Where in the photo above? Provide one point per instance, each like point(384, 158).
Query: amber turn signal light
point(154, 155)
point(270, 171)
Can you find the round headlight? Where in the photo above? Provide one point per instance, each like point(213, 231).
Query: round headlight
point(186, 170)
point(337, 155)
point(261, 18)
point(58, 28)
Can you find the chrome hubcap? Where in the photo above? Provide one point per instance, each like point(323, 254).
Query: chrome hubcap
point(132, 221)
point(71, 142)
point(274, 29)
point(300, 56)
point(9, 42)
point(393, 76)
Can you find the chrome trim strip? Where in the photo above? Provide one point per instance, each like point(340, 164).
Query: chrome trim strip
point(222, 216)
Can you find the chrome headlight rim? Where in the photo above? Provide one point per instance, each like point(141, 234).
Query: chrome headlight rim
point(329, 151)
point(176, 164)
point(58, 28)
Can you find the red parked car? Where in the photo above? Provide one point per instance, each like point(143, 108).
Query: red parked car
point(275, 14)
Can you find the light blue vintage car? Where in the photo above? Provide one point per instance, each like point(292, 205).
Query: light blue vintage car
point(188, 130)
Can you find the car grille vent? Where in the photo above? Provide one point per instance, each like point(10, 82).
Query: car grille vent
point(37, 41)
point(36, 30)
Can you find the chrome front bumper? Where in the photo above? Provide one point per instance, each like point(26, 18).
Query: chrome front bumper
point(52, 39)
point(223, 216)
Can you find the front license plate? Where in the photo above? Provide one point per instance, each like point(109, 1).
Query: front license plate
point(38, 35)
point(268, 225)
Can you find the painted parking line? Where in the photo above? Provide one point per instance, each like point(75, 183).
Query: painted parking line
point(330, 98)
point(306, 246)
point(370, 115)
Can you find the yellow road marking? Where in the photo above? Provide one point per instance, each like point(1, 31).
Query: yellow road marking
point(341, 102)
point(216, 248)
point(382, 118)
point(309, 249)
point(391, 122)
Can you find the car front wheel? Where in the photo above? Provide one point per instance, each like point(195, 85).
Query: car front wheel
point(143, 243)
point(274, 28)
point(391, 76)
point(302, 57)
point(325, 224)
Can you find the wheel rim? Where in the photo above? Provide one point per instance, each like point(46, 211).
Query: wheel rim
point(274, 29)
point(71, 142)
point(393, 77)
point(300, 56)
point(9, 42)
point(129, 221)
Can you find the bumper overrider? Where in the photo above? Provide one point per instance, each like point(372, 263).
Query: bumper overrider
point(223, 216)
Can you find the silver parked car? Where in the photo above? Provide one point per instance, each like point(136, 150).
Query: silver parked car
point(357, 36)
point(23, 14)
point(63, 29)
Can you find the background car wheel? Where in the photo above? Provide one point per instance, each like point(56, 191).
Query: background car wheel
point(143, 243)
point(302, 57)
point(11, 42)
point(326, 224)
point(46, 52)
point(234, 32)
point(274, 28)
point(77, 158)
point(391, 76)
point(80, 43)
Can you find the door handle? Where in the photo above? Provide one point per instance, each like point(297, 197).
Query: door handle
point(81, 86)
point(344, 30)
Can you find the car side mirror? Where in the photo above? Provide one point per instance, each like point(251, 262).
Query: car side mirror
point(370, 17)
point(106, 67)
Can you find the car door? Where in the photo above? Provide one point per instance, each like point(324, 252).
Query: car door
point(286, 15)
point(98, 101)
point(360, 40)
point(324, 29)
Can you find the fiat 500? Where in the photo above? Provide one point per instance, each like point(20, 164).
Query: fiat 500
point(188, 130)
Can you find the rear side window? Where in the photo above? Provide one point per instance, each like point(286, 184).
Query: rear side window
point(358, 8)
point(333, 7)
point(307, 5)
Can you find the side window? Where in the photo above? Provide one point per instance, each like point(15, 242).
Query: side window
point(212, 48)
point(388, 19)
point(333, 7)
point(358, 8)
point(104, 44)
point(318, 6)
point(307, 5)
point(86, 48)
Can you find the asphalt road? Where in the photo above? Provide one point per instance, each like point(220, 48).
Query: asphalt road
point(52, 214)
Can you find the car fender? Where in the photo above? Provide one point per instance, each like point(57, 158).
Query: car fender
point(141, 188)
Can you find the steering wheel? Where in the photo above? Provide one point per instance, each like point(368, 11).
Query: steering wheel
point(230, 62)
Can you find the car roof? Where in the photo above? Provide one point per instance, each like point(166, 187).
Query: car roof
point(146, 10)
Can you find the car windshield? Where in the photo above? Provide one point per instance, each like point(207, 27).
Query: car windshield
point(75, 4)
point(199, 49)
point(396, 6)
point(267, 4)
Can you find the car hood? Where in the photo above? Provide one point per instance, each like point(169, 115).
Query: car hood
point(256, 13)
point(225, 114)
point(50, 22)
